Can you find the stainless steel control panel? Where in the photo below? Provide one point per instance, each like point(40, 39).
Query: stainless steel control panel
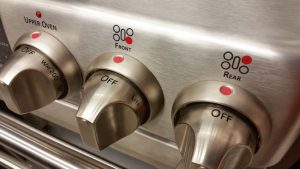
point(253, 45)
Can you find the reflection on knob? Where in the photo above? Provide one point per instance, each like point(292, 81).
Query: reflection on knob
point(39, 71)
point(26, 81)
point(120, 94)
point(213, 136)
point(114, 106)
point(219, 125)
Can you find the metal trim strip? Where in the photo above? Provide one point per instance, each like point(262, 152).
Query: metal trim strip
point(44, 149)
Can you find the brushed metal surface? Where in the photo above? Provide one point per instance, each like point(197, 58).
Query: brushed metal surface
point(183, 42)
point(45, 150)
point(211, 142)
point(136, 72)
point(24, 76)
point(207, 140)
point(39, 71)
point(118, 97)
point(11, 162)
point(59, 55)
point(239, 100)
point(107, 112)
point(141, 144)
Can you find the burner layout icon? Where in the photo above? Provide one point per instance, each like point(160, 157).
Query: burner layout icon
point(236, 62)
point(123, 34)
point(123, 38)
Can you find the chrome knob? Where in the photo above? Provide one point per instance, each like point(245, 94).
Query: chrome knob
point(214, 136)
point(40, 70)
point(119, 95)
point(218, 129)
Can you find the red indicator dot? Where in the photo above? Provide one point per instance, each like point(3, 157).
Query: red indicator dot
point(118, 58)
point(128, 40)
point(225, 90)
point(247, 59)
point(38, 14)
point(35, 35)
